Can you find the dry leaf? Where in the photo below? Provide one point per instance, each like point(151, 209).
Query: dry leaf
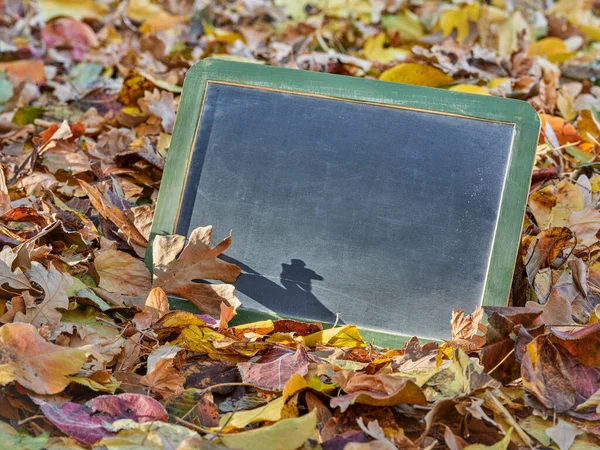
point(35, 364)
point(197, 261)
point(122, 273)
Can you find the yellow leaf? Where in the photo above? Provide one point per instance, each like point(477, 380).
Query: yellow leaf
point(500, 445)
point(510, 32)
point(458, 19)
point(374, 51)
point(262, 327)
point(35, 364)
point(141, 10)
point(207, 340)
point(110, 387)
point(346, 336)
point(469, 89)
point(160, 22)
point(417, 74)
point(295, 384)
point(271, 412)
point(122, 273)
point(579, 13)
point(552, 48)
point(495, 82)
point(588, 126)
point(287, 434)
point(406, 23)
point(77, 9)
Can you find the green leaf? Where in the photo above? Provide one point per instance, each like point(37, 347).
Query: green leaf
point(27, 114)
point(13, 440)
point(6, 89)
point(287, 434)
point(580, 155)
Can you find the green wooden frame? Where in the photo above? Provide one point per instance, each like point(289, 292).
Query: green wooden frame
point(512, 205)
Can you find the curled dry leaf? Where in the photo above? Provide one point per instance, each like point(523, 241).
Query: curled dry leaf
point(35, 364)
point(196, 261)
point(376, 390)
point(104, 206)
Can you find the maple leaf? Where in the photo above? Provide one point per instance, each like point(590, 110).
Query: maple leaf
point(197, 260)
point(37, 365)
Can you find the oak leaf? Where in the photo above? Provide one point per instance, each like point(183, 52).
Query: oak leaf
point(37, 365)
point(196, 261)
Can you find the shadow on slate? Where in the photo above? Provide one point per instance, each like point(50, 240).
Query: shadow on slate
point(296, 280)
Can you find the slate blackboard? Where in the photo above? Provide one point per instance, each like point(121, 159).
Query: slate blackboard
point(363, 213)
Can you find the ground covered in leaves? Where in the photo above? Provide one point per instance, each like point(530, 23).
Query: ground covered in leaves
point(91, 355)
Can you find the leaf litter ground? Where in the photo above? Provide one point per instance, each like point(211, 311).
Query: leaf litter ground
point(92, 357)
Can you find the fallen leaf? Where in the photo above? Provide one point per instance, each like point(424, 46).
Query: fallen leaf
point(563, 434)
point(345, 336)
point(122, 273)
point(54, 287)
point(86, 423)
point(376, 390)
point(164, 379)
point(19, 441)
point(35, 364)
point(272, 373)
point(287, 434)
point(417, 74)
point(73, 8)
point(196, 261)
point(32, 70)
point(110, 212)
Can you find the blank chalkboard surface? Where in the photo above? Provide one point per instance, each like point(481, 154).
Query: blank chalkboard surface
point(360, 212)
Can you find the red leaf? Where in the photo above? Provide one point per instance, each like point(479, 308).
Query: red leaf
point(84, 422)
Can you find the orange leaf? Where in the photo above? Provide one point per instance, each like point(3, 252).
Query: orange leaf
point(565, 132)
point(31, 69)
point(34, 363)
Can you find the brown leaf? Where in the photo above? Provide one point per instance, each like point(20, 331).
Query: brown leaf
point(42, 367)
point(504, 323)
point(545, 375)
point(54, 286)
point(376, 390)
point(105, 207)
point(165, 379)
point(157, 303)
point(583, 344)
point(122, 273)
point(545, 248)
point(197, 261)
